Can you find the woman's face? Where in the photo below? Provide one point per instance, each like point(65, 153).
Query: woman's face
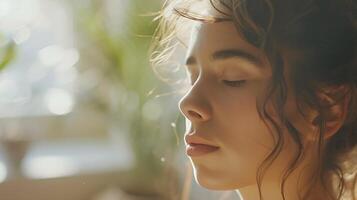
point(224, 114)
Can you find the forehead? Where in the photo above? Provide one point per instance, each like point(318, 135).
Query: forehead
point(211, 37)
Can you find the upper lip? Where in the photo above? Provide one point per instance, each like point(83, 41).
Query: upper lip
point(193, 139)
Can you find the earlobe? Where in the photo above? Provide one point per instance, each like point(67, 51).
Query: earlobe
point(334, 114)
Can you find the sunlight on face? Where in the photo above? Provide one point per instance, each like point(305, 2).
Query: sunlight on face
point(227, 115)
point(227, 75)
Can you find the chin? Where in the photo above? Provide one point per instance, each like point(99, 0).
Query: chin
point(213, 183)
point(213, 180)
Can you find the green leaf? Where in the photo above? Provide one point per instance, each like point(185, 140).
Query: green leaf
point(8, 55)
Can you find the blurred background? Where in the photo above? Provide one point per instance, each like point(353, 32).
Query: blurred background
point(83, 116)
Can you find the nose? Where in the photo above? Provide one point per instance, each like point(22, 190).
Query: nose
point(195, 107)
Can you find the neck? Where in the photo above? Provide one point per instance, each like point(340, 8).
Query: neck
point(294, 189)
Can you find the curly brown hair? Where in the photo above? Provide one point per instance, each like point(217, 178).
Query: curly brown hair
point(323, 33)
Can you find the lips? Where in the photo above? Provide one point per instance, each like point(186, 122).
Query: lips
point(199, 149)
point(197, 146)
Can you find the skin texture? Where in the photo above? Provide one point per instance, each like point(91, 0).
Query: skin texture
point(226, 116)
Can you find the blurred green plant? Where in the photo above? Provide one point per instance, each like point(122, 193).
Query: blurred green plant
point(127, 63)
point(7, 51)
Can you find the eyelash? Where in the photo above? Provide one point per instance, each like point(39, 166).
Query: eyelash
point(237, 83)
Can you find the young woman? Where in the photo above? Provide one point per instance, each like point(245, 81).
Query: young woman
point(271, 108)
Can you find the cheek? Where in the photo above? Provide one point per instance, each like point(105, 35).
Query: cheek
point(245, 139)
point(241, 123)
point(246, 143)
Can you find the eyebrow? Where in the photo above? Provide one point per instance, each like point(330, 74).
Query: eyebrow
point(226, 54)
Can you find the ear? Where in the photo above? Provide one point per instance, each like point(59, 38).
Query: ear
point(334, 102)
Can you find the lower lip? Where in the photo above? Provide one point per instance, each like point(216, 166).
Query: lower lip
point(200, 149)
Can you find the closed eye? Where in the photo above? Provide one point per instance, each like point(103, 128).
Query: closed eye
point(237, 83)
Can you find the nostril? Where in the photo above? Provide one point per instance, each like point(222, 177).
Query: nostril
point(194, 114)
